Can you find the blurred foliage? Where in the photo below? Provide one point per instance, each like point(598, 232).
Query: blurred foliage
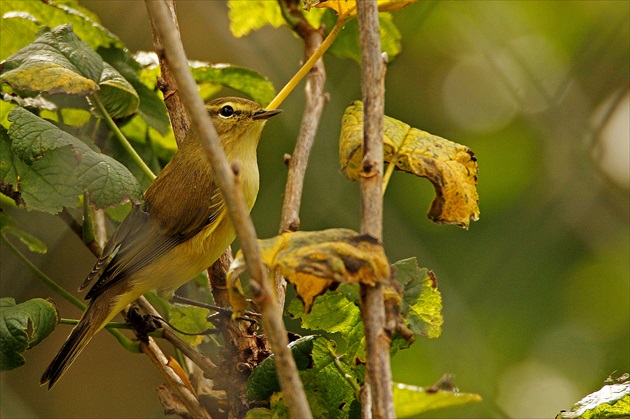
point(535, 303)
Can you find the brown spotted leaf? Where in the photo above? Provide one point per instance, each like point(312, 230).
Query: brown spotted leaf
point(314, 261)
point(451, 167)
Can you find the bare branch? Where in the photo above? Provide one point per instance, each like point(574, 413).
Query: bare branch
point(176, 111)
point(173, 381)
point(372, 305)
point(232, 194)
point(315, 101)
point(203, 362)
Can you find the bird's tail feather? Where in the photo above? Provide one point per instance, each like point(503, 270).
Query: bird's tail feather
point(92, 321)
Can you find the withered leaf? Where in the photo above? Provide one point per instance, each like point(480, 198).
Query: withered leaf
point(451, 167)
point(314, 261)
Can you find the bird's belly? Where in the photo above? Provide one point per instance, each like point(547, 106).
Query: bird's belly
point(186, 260)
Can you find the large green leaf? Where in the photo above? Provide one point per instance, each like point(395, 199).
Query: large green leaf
point(333, 312)
point(60, 62)
point(263, 381)
point(247, 16)
point(246, 81)
point(56, 62)
point(27, 16)
point(18, 29)
point(326, 380)
point(23, 326)
point(54, 167)
point(152, 108)
point(116, 93)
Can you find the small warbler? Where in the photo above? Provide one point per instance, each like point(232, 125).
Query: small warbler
point(180, 230)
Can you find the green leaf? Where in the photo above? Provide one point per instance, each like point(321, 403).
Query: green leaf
point(326, 383)
point(611, 401)
point(333, 312)
point(410, 401)
point(422, 302)
point(190, 319)
point(263, 381)
point(117, 94)
point(247, 16)
point(23, 326)
point(18, 29)
point(54, 167)
point(56, 62)
point(246, 81)
point(55, 13)
point(347, 43)
point(10, 165)
point(152, 108)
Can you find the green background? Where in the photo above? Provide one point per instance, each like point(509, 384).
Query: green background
point(536, 293)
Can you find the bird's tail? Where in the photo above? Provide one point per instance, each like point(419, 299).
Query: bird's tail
point(92, 321)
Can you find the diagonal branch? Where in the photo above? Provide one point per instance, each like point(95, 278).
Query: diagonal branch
point(232, 194)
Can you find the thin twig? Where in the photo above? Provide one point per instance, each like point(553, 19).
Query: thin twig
point(232, 194)
point(206, 365)
point(174, 381)
point(372, 306)
point(315, 101)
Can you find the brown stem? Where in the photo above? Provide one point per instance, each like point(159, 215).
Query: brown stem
point(172, 99)
point(174, 382)
point(206, 365)
point(232, 194)
point(372, 305)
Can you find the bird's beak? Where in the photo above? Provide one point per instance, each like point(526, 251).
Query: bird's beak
point(265, 114)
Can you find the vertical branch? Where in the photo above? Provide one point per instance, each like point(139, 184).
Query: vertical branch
point(227, 180)
point(173, 101)
point(372, 305)
point(315, 102)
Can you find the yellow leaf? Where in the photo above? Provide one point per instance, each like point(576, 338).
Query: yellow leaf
point(314, 261)
point(451, 167)
point(348, 8)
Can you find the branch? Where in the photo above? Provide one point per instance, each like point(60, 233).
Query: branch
point(203, 362)
point(172, 99)
point(232, 194)
point(174, 382)
point(315, 101)
point(372, 306)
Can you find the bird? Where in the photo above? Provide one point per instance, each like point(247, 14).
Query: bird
point(180, 229)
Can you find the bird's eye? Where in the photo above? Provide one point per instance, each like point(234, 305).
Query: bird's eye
point(226, 111)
